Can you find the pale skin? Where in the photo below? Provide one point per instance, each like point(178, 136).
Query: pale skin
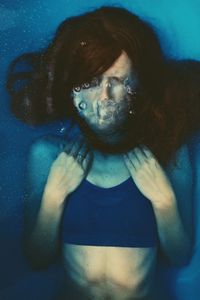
point(153, 182)
point(101, 272)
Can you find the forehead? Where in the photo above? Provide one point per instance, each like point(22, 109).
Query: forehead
point(121, 67)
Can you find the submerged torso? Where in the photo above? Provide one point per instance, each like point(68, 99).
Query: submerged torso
point(102, 272)
point(123, 270)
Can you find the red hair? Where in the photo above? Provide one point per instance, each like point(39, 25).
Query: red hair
point(86, 46)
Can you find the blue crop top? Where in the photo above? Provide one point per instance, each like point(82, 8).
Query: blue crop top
point(117, 216)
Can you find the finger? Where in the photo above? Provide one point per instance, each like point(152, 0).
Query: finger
point(72, 148)
point(60, 159)
point(69, 140)
point(68, 146)
point(76, 146)
point(87, 161)
point(130, 166)
point(134, 158)
point(140, 155)
point(83, 151)
point(146, 151)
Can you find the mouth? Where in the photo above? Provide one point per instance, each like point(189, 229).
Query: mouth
point(106, 118)
point(106, 110)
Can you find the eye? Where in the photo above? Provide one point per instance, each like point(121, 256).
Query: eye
point(115, 81)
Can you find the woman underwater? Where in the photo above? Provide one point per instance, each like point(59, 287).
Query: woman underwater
point(110, 200)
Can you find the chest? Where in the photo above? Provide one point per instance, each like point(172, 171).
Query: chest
point(117, 216)
point(106, 175)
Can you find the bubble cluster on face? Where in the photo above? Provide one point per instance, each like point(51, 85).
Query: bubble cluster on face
point(104, 111)
point(95, 83)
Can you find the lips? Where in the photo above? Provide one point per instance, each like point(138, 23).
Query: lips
point(106, 112)
point(106, 116)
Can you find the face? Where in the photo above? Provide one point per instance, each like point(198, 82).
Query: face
point(105, 103)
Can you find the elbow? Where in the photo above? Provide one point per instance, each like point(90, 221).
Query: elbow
point(37, 259)
point(181, 261)
point(186, 254)
point(183, 257)
point(37, 264)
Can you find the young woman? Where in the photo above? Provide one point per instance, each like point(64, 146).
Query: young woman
point(110, 199)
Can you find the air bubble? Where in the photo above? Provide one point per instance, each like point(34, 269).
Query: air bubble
point(83, 43)
point(95, 81)
point(82, 105)
point(130, 91)
point(62, 130)
point(86, 85)
point(50, 76)
point(77, 89)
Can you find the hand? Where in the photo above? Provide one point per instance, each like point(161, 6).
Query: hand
point(149, 176)
point(69, 169)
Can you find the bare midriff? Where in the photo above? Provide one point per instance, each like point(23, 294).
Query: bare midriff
point(104, 272)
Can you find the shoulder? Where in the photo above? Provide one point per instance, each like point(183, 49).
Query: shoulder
point(47, 147)
point(181, 173)
point(183, 157)
point(182, 160)
point(42, 153)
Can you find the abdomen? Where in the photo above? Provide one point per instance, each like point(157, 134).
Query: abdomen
point(110, 271)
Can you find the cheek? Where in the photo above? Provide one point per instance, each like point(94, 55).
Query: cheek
point(118, 93)
point(84, 97)
point(102, 113)
point(80, 102)
point(77, 98)
point(85, 107)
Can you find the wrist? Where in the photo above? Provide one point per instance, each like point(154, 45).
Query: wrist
point(165, 203)
point(53, 201)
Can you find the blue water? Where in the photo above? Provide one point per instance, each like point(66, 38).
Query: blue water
point(28, 25)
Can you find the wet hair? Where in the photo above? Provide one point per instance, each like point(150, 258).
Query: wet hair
point(181, 102)
point(86, 46)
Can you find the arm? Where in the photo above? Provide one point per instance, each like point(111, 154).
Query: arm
point(153, 182)
point(41, 235)
point(179, 217)
point(51, 177)
point(174, 240)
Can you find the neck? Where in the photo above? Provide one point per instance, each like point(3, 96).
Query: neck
point(106, 156)
point(109, 165)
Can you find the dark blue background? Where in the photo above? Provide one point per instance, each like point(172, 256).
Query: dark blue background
point(27, 26)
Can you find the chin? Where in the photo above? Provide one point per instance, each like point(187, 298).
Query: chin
point(112, 141)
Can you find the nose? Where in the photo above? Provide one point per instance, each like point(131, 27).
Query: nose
point(105, 91)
